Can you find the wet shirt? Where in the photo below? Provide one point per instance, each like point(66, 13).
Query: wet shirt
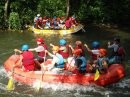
point(114, 46)
point(40, 48)
point(59, 61)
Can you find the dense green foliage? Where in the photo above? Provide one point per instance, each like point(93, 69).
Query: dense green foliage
point(14, 21)
point(93, 11)
point(52, 8)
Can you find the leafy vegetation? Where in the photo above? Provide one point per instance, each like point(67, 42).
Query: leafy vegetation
point(93, 11)
point(14, 21)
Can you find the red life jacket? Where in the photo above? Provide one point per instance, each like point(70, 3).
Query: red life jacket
point(65, 54)
point(42, 53)
point(28, 60)
point(121, 51)
point(94, 56)
point(38, 23)
point(68, 24)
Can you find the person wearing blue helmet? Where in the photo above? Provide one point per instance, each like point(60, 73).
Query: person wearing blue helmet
point(25, 47)
point(62, 42)
point(95, 45)
point(95, 51)
point(26, 58)
point(64, 49)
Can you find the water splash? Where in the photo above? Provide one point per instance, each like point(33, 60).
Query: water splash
point(69, 90)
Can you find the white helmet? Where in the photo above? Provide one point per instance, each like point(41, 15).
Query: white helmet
point(38, 15)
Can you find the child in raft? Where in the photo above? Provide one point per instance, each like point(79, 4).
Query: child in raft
point(57, 63)
point(63, 49)
point(102, 61)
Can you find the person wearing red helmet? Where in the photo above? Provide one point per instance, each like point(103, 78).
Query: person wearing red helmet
point(40, 49)
point(102, 61)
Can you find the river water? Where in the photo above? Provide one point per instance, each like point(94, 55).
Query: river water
point(10, 40)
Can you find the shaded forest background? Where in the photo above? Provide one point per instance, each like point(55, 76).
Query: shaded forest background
point(16, 14)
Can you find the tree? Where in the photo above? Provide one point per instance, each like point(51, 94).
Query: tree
point(67, 7)
point(7, 2)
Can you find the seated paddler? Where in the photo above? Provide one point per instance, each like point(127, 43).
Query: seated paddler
point(57, 63)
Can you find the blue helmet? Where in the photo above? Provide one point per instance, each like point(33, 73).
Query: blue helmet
point(95, 44)
point(62, 42)
point(25, 47)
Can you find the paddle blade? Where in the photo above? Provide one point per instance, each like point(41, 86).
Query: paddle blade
point(37, 86)
point(97, 74)
point(10, 85)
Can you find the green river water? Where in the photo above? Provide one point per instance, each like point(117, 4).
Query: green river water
point(10, 40)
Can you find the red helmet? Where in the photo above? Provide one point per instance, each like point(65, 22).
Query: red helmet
point(77, 52)
point(103, 51)
point(40, 40)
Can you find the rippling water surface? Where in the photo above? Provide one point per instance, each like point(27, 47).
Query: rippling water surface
point(11, 40)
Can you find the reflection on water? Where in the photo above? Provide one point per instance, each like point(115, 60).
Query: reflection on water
point(11, 40)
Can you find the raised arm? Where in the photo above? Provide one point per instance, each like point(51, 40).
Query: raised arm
point(31, 49)
point(71, 48)
point(17, 50)
point(87, 47)
point(52, 45)
point(50, 54)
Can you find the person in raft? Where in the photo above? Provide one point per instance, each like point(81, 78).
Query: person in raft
point(102, 61)
point(78, 45)
point(95, 51)
point(78, 63)
point(68, 23)
point(39, 24)
point(57, 63)
point(26, 58)
point(40, 49)
point(117, 54)
point(63, 49)
point(36, 19)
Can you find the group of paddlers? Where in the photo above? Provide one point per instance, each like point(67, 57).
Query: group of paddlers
point(55, 22)
point(65, 57)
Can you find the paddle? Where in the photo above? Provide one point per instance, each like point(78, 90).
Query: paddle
point(37, 88)
point(83, 30)
point(96, 75)
point(11, 86)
